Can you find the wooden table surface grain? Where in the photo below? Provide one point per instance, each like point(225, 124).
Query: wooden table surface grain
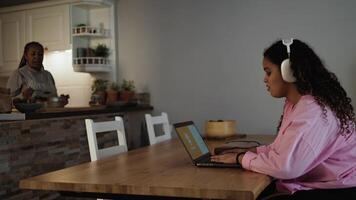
point(164, 169)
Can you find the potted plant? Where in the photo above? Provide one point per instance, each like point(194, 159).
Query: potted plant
point(82, 28)
point(127, 90)
point(112, 93)
point(101, 51)
point(98, 89)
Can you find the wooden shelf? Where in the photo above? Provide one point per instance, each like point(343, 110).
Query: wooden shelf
point(92, 68)
point(91, 64)
point(90, 31)
point(91, 60)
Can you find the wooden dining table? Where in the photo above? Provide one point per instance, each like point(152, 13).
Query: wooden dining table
point(161, 170)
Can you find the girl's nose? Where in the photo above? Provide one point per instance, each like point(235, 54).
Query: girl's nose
point(265, 79)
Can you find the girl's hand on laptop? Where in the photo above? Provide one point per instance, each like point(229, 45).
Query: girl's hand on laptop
point(224, 158)
point(222, 150)
point(230, 157)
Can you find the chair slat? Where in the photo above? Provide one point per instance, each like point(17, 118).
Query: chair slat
point(106, 126)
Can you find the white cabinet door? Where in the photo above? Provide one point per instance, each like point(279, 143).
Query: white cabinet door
point(49, 26)
point(12, 39)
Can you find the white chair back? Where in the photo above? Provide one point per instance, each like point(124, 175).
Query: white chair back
point(155, 120)
point(97, 127)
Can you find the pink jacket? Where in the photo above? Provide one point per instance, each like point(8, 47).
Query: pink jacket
point(308, 152)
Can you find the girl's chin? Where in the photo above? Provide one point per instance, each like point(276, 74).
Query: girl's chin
point(36, 66)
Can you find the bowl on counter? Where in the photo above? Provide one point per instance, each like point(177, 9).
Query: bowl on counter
point(57, 102)
point(54, 102)
point(28, 107)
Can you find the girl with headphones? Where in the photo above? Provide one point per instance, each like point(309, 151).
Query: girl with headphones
point(314, 153)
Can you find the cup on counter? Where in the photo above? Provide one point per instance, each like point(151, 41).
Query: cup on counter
point(143, 98)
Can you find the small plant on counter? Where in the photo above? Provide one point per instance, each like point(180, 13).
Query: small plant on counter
point(99, 85)
point(98, 89)
point(101, 51)
point(127, 85)
point(112, 93)
point(127, 90)
point(114, 86)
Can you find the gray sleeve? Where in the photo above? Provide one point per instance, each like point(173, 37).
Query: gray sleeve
point(54, 84)
point(15, 83)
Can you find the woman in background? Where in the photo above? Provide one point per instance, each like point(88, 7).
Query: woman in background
point(314, 153)
point(31, 81)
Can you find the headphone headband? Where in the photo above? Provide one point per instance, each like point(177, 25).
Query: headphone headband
point(287, 43)
point(286, 70)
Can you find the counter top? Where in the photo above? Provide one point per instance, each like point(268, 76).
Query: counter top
point(77, 111)
point(12, 116)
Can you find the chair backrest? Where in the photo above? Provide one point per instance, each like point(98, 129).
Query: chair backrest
point(154, 120)
point(97, 127)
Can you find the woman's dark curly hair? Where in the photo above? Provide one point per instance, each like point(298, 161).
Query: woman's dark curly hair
point(313, 78)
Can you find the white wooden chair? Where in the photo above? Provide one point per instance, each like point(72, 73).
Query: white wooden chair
point(97, 127)
point(155, 120)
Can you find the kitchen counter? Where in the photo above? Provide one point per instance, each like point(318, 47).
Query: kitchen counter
point(56, 138)
point(78, 111)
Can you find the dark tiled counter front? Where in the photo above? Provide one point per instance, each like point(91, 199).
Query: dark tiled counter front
point(55, 139)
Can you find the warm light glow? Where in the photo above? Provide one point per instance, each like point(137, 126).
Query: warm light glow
point(58, 61)
point(76, 84)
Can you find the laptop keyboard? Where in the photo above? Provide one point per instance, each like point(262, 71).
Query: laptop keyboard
point(215, 164)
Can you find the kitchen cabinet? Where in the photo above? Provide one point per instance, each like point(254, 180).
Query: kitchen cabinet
point(49, 26)
point(54, 24)
point(12, 40)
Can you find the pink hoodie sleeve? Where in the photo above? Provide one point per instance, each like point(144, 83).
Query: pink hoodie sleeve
point(262, 148)
point(291, 157)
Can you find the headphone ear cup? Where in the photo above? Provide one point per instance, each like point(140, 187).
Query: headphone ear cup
point(287, 72)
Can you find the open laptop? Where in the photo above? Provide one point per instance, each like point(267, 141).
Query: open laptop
point(196, 147)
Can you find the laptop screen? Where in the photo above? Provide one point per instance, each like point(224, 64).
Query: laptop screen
point(192, 140)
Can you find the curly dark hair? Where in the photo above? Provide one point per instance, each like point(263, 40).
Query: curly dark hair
point(313, 78)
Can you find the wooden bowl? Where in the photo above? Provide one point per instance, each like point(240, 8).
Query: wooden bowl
point(220, 129)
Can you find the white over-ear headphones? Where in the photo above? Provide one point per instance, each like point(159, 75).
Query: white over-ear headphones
point(286, 70)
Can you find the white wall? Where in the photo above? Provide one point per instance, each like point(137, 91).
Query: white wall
point(201, 59)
